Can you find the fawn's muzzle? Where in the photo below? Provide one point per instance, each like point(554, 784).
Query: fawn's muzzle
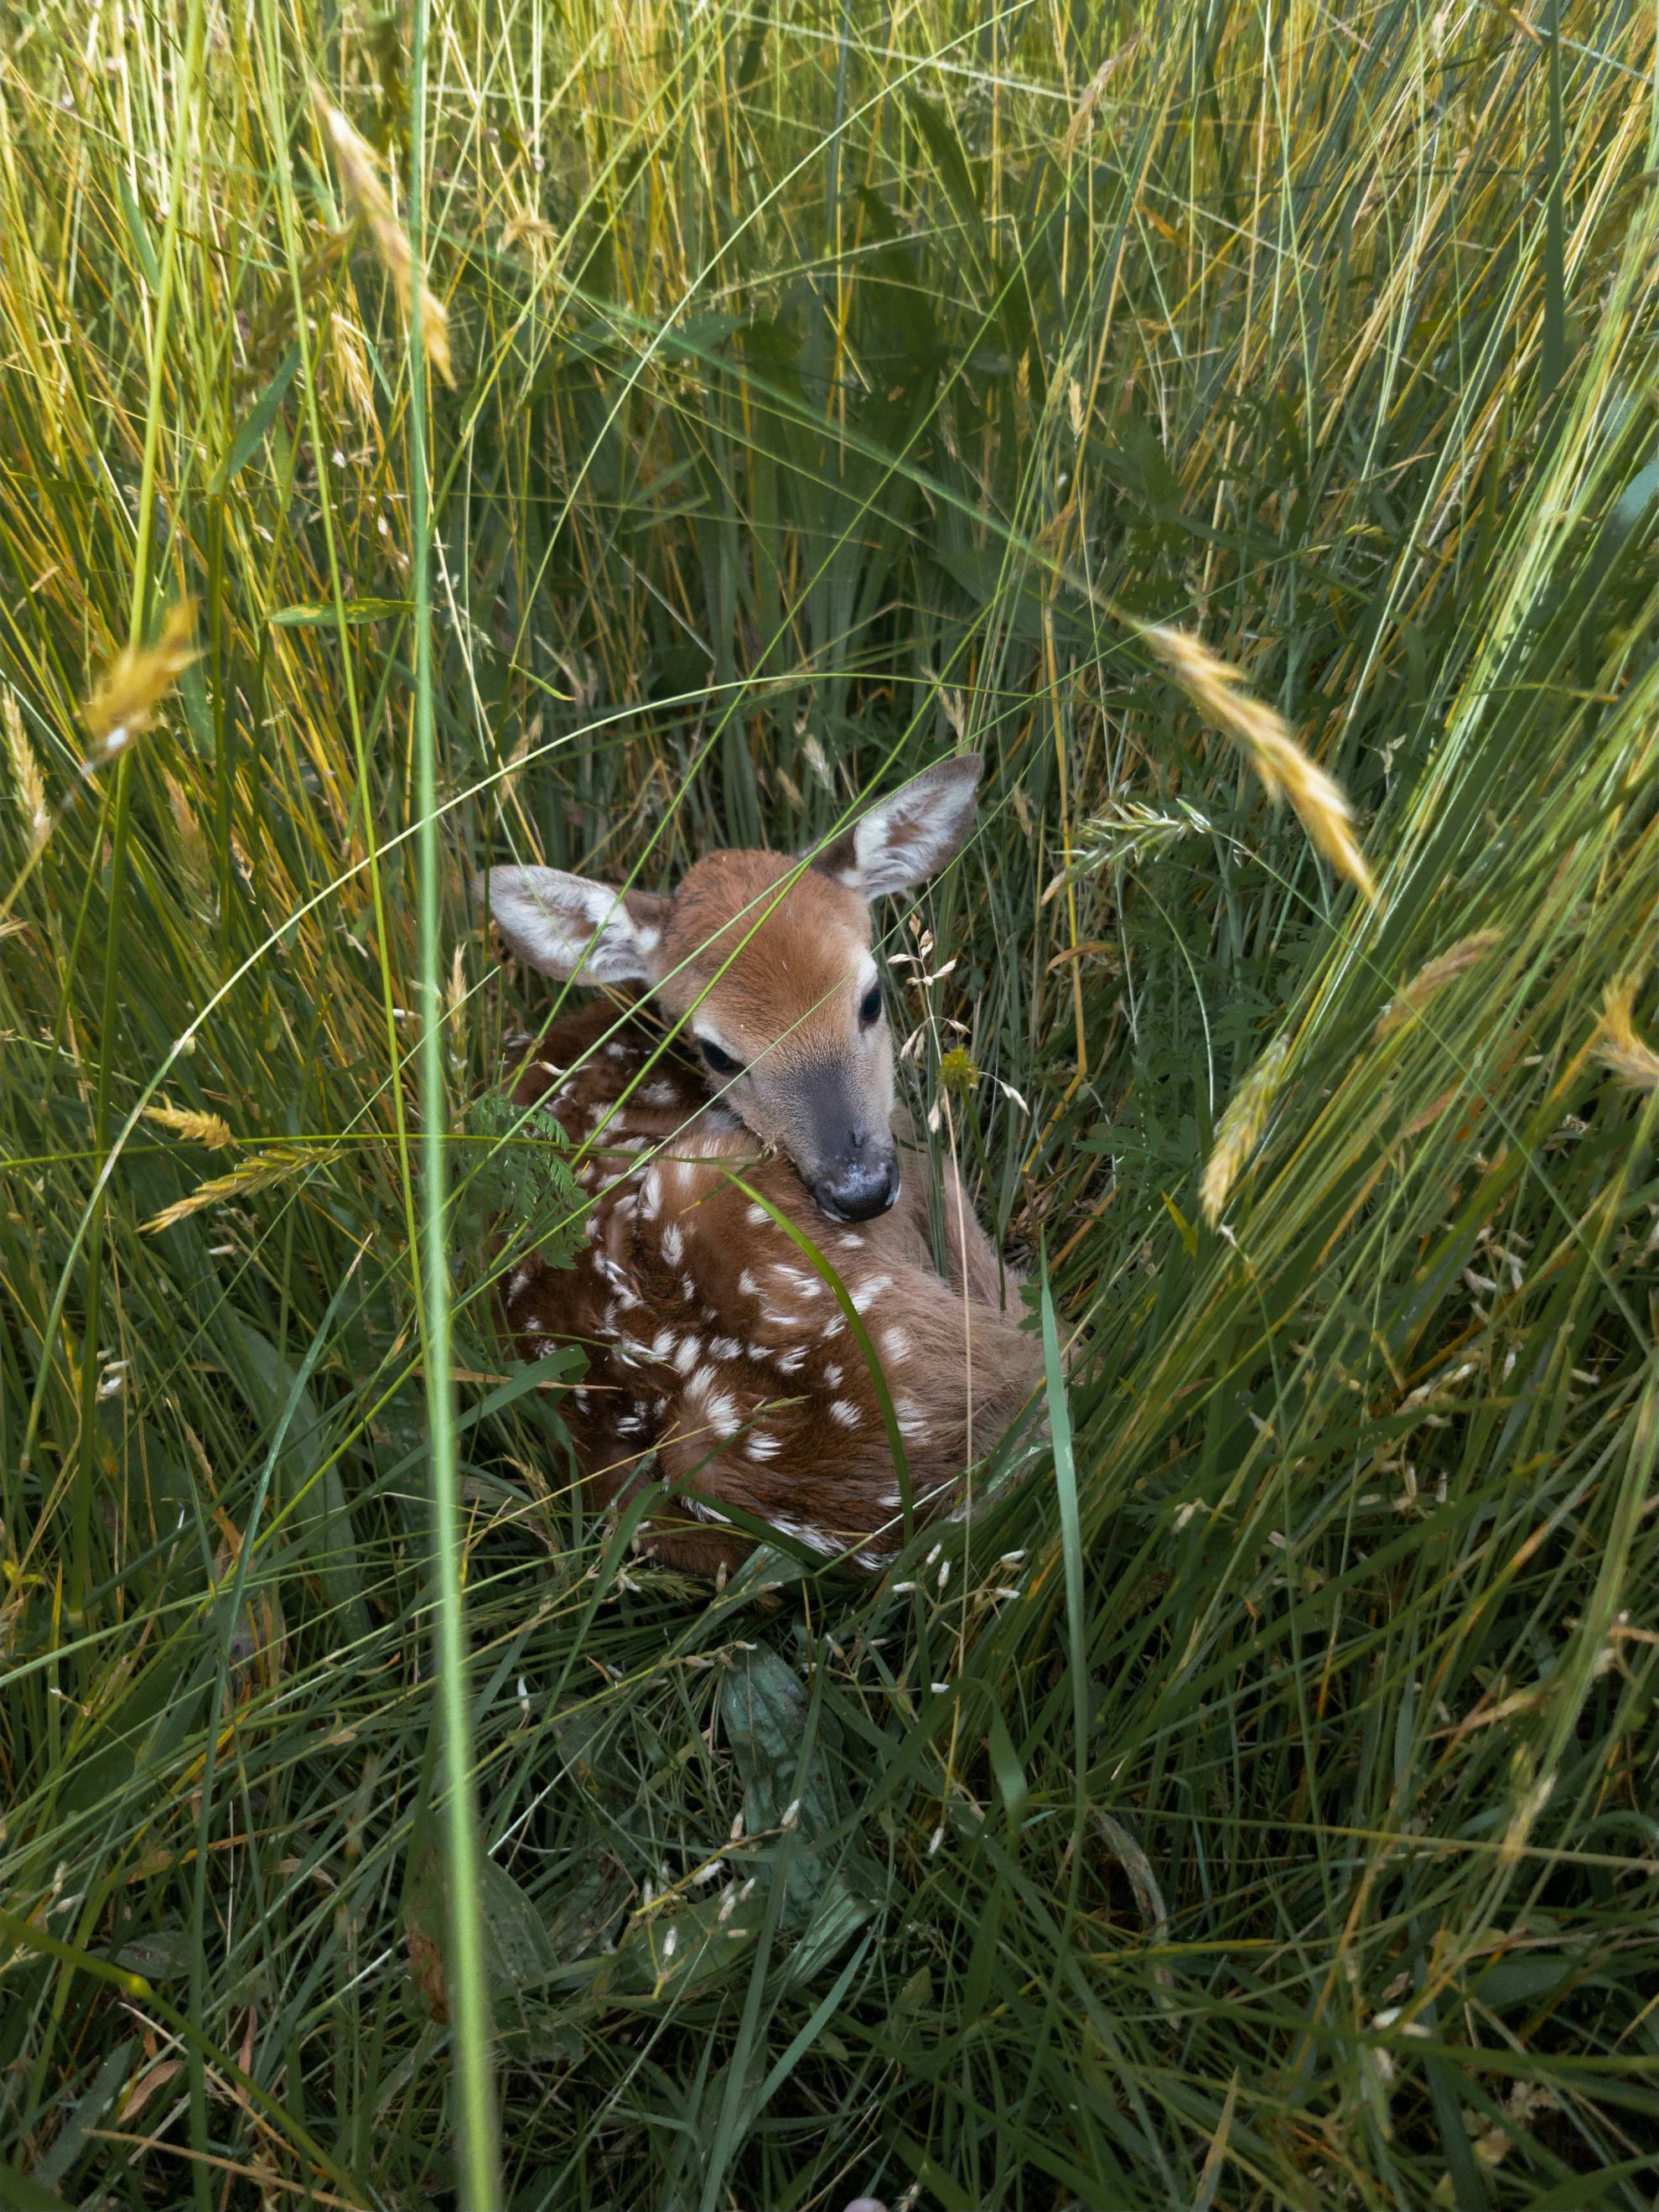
point(858, 1188)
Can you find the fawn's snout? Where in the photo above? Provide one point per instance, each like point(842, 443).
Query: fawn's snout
point(861, 1180)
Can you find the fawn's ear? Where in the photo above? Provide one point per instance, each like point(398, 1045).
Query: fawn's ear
point(905, 838)
point(566, 927)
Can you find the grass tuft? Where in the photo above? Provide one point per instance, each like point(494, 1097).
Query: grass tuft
point(1249, 1802)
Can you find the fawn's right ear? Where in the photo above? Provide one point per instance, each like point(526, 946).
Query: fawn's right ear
point(904, 838)
point(566, 927)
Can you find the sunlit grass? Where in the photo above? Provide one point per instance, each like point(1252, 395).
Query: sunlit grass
point(1250, 1808)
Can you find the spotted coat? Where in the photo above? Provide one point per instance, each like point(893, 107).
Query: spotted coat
point(718, 1361)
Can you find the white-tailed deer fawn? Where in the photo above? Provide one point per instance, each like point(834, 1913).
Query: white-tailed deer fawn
point(720, 1361)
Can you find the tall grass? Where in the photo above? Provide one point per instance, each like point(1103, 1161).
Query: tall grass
point(1252, 1806)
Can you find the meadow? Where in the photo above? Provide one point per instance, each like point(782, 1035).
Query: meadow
point(595, 433)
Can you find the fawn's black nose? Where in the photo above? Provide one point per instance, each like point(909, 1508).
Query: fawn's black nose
point(857, 1187)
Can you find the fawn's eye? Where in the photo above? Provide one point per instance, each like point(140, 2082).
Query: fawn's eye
point(719, 1062)
point(870, 1007)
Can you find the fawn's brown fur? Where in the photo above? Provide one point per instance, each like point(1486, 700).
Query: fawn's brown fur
point(720, 1361)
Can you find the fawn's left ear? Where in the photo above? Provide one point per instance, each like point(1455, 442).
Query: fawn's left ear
point(904, 839)
point(566, 926)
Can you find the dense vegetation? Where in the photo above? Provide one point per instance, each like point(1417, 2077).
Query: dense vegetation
point(1253, 1806)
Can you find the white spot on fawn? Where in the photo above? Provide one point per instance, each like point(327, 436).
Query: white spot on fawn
point(814, 1538)
point(673, 1245)
point(846, 1413)
point(763, 1443)
point(719, 1406)
point(895, 1343)
point(870, 1290)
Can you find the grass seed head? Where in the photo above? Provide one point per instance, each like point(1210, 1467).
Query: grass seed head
point(1619, 1046)
point(363, 185)
point(1125, 831)
point(272, 1165)
point(1218, 692)
point(123, 702)
point(1432, 977)
point(31, 784)
point(210, 1129)
point(355, 375)
point(1239, 1130)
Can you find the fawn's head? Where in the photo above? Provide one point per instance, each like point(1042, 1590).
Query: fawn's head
point(766, 961)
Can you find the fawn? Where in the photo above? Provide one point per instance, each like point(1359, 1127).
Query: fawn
point(720, 1361)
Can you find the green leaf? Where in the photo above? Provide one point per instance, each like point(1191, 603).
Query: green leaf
point(250, 434)
point(830, 1885)
point(23, 2194)
point(1184, 1228)
point(162, 1955)
point(89, 2110)
point(523, 1959)
point(324, 615)
point(308, 1472)
point(518, 1185)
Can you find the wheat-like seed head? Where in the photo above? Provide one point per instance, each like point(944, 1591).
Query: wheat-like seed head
point(1618, 1046)
point(353, 359)
point(1239, 1130)
point(272, 1165)
point(361, 179)
point(31, 784)
point(1217, 690)
point(1122, 833)
point(1433, 976)
point(124, 701)
point(210, 1129)
point(455, 1012)
point(523, 226)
